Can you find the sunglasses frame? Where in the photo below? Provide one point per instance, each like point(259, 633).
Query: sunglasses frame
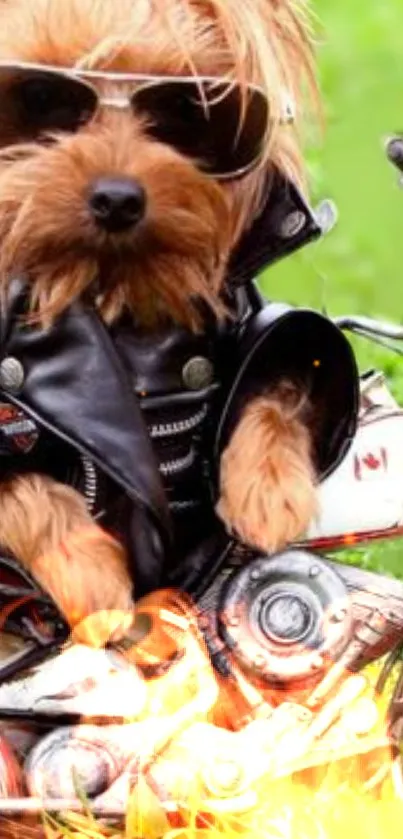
point(140, 83)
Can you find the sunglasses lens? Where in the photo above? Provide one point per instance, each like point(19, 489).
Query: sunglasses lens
point(210, 122)
point(35, 103)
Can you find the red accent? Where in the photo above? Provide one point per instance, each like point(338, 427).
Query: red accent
point(11, 416)
point(346, 539)
point(204, 820)
point(8, 412)
point(173, 815)
point(6, 611)
point(175, 820)
point(371, 461)
point(23, 441)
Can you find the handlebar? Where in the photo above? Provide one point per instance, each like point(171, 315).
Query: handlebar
point(361, 323)
point(380, 332)
point(387, 334)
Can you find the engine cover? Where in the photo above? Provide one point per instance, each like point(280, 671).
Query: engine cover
point(285, 617)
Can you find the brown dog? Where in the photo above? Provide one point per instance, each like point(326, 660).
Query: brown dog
point(52, 229)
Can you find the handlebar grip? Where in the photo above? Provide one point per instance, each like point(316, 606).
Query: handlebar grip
point(394, 151)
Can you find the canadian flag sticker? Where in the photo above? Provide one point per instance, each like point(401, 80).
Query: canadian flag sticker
point(371, 461)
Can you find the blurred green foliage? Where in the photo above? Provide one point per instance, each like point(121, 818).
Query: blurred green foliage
point(359, 266)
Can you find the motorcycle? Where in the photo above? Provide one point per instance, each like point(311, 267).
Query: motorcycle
point(267, 645)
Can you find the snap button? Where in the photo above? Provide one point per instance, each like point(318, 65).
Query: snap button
point(198, 373)
point(11, 375)
point(292, 224)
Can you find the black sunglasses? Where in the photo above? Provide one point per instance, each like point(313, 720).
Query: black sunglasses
point(213, 122)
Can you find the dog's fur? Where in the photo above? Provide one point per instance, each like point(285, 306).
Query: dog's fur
point(193, 222)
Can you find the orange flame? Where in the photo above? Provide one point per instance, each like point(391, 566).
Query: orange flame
point(223, 758)
point(235, 760)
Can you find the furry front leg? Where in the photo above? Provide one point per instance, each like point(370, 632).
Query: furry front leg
point(47, 527)
point(267, 480)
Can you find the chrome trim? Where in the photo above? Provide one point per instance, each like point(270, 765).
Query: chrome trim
point(172, 429)
point(142, 79)
point(361, 323)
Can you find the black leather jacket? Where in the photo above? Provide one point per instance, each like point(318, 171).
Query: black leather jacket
point(137, 421)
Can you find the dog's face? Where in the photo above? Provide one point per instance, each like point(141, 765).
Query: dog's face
point(131, 178)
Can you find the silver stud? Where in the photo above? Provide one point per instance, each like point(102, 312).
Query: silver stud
point(292, 224)
point(11, 375)
point(198, 373)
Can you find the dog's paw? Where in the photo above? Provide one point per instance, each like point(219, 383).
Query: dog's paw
point(47, 527)
point(89, 580)
point(267, 481)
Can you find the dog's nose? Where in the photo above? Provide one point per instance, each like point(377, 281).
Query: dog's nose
point(117, 203)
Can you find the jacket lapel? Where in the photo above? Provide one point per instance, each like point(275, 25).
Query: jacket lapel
point(75, 384)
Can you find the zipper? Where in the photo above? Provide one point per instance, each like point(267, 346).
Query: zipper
point(183, 506)
point(90, 482)
point(171, 429)
point(179, 464)
point(167, 468)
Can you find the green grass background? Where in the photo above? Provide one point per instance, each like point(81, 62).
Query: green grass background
point(359, 266)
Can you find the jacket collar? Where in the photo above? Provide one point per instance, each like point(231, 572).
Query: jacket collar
point(285, 224)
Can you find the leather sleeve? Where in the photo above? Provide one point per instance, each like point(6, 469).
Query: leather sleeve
point(279, 342)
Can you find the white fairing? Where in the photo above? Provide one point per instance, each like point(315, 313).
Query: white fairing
point(365, 493)
point(80, 680)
